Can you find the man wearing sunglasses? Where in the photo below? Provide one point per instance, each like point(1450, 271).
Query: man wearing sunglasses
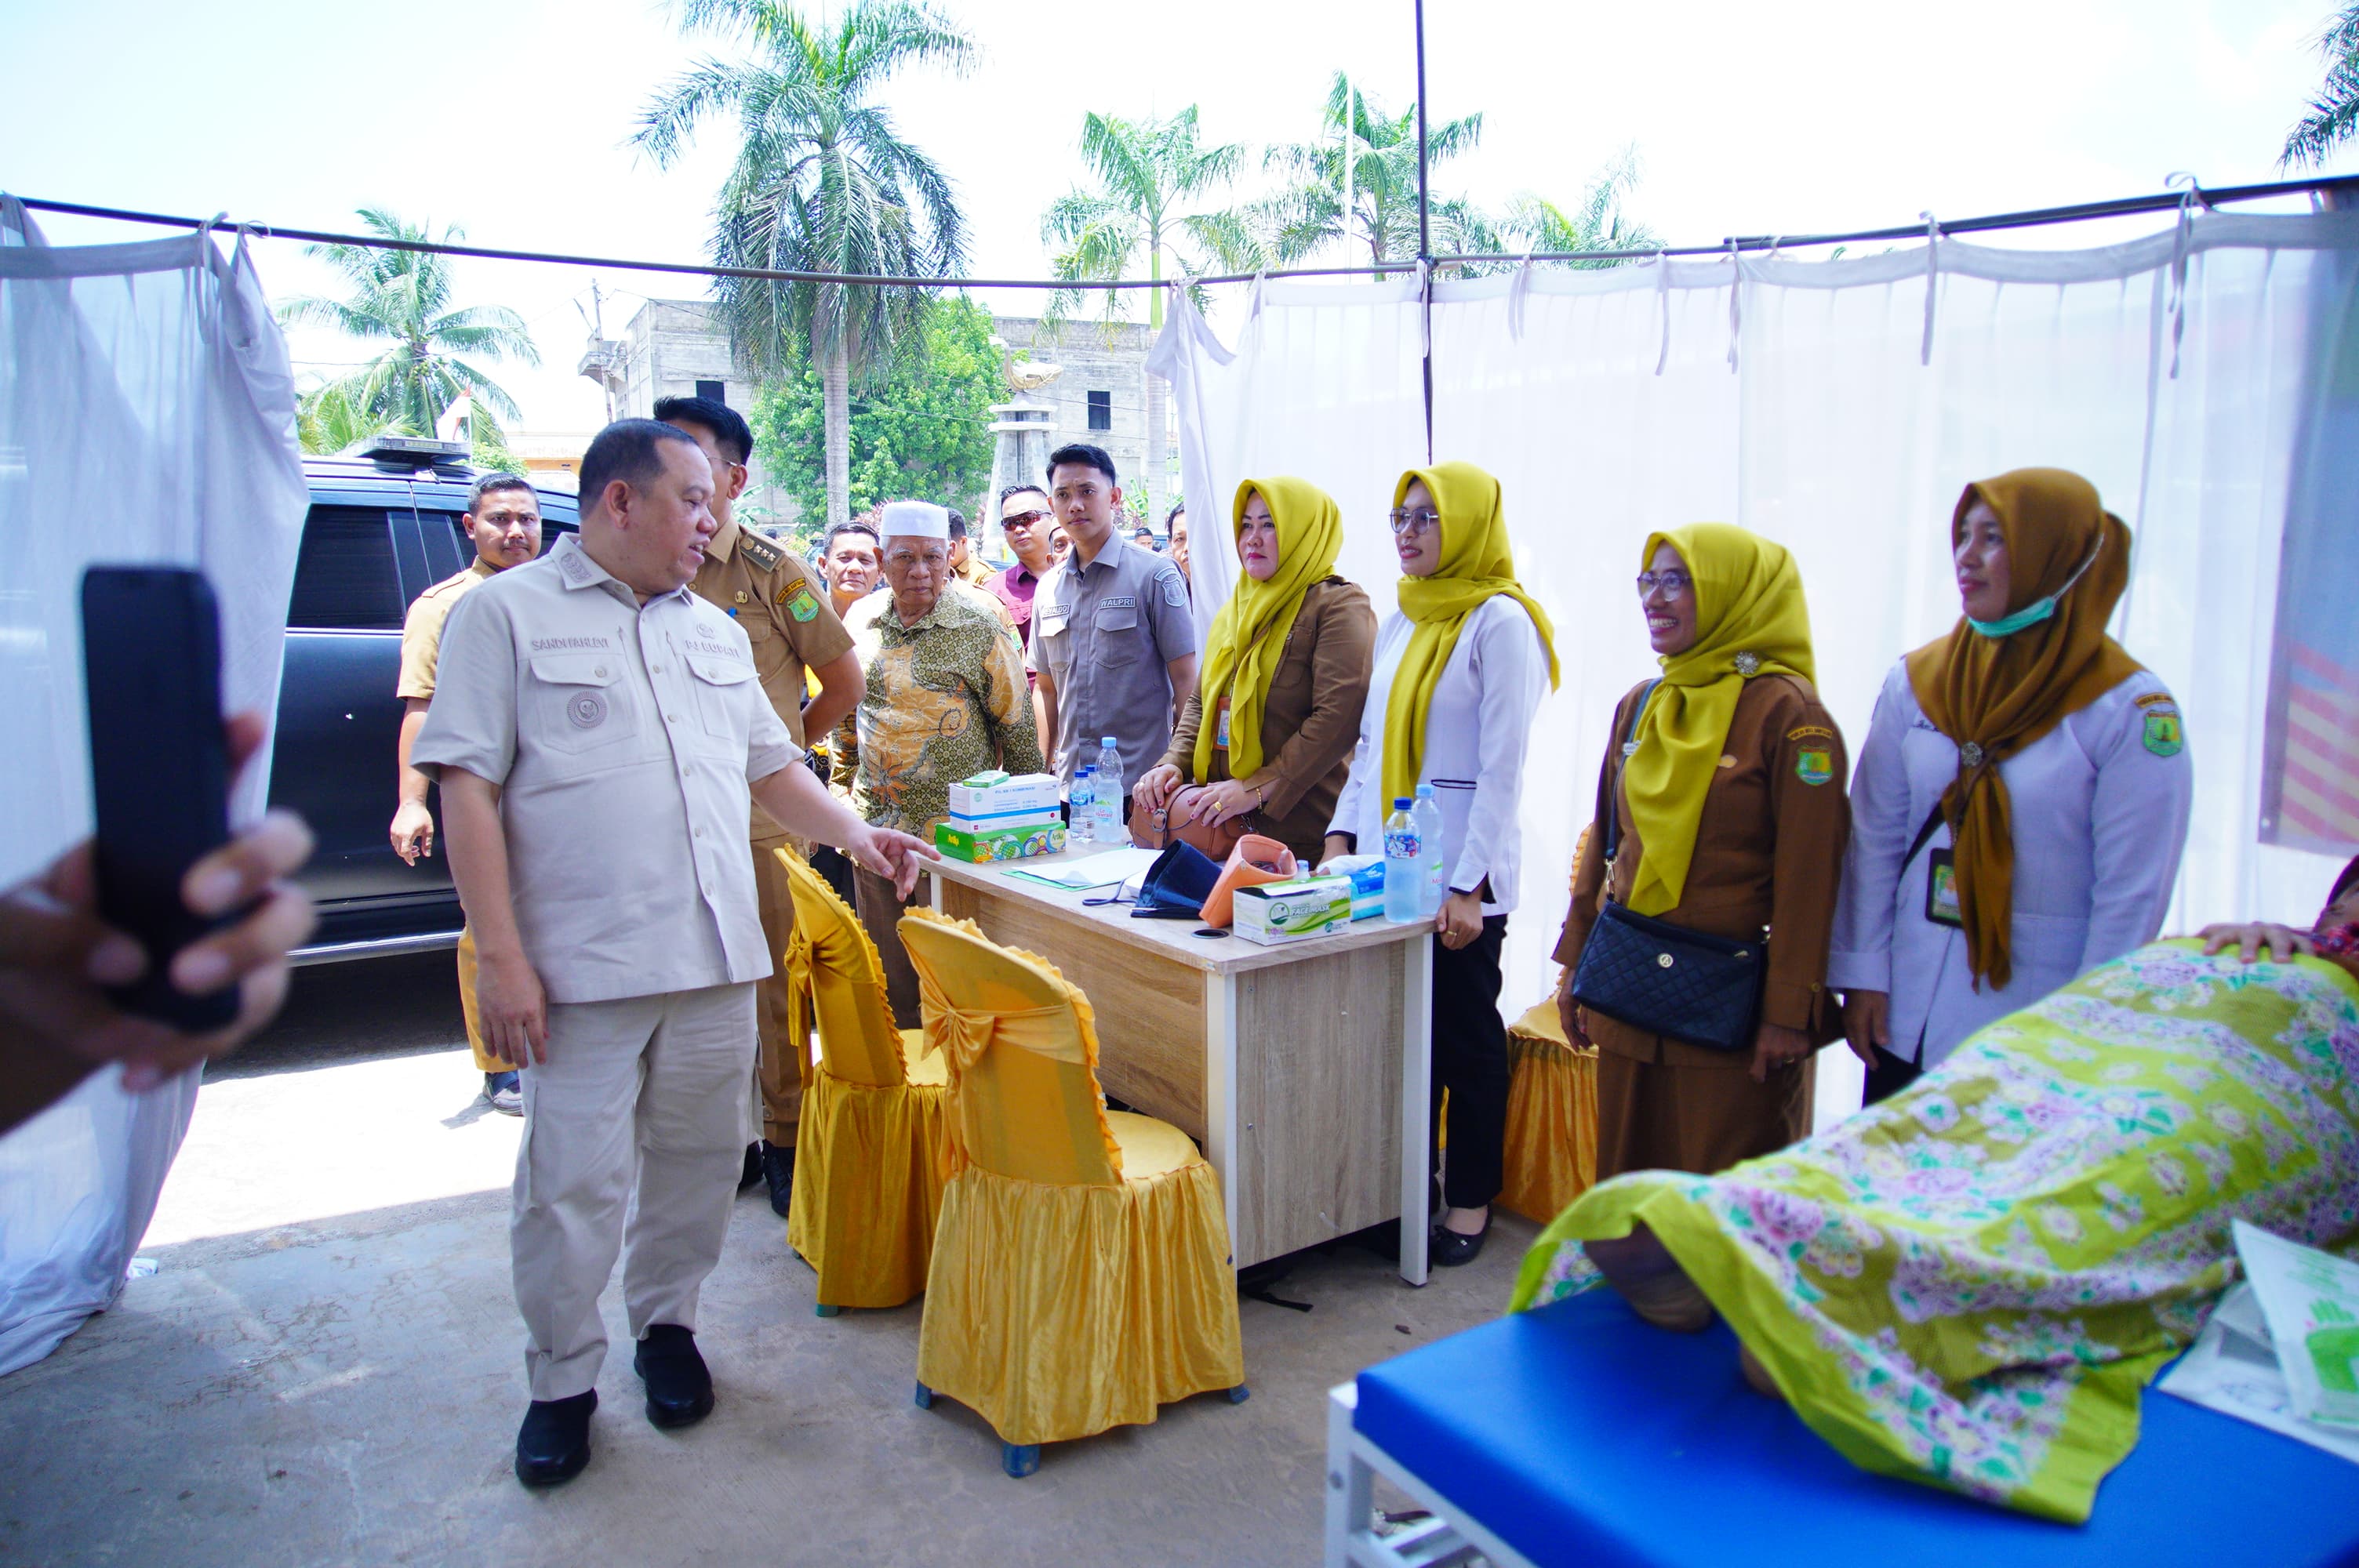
point(1025, 518)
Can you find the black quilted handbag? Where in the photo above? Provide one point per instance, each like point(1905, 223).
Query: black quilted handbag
point(1661, 977)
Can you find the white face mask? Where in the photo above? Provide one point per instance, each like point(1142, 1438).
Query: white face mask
point(2038, 610)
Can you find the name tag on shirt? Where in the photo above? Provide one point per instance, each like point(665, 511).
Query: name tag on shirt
point(1942, 905)
point(1221, 729)
point(1119, 601)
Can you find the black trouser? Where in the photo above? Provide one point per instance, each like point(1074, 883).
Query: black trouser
point(1890, 1074)
point(1470, 1060)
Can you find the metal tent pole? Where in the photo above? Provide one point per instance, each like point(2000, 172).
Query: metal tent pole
point(1424, 236)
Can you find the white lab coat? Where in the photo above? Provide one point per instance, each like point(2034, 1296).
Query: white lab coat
point(1476, 732)
point(2100, 820)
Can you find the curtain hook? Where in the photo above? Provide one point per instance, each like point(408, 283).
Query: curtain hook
point(2181, 243)
point(1736, 307)
point(1932, 283)
point(1663, 296)
point(1516, 293)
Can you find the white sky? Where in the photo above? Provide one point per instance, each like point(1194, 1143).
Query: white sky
point(508, 117)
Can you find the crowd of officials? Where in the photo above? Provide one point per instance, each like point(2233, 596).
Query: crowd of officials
point(623, 726)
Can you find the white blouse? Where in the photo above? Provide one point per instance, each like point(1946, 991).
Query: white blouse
point(1476, 731)
point(2100, 807)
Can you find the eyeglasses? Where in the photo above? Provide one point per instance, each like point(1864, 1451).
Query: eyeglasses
point(1024, 520)
point(1414, 523)
point(1674, 585)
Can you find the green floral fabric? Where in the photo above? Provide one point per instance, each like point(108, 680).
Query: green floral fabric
point(946, 698)
point(1970, 1284)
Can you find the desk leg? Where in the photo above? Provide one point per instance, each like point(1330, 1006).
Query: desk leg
point(934, 885)
point(1416, 1101)
point(1221, 1145)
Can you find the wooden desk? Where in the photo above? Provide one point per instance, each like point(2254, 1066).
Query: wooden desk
point(1302, 1069)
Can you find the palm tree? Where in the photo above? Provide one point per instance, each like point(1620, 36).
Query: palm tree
point(2333, 115)
point(1533, 224)
point(822, 182)
point(1147, 172)
point(402, 298)
point(1381, 151)
point(330, 418)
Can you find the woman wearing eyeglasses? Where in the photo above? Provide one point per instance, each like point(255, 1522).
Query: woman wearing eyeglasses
point(1721, 799)
point(1268, 734)
point(2022, 796)
point(1459, 669)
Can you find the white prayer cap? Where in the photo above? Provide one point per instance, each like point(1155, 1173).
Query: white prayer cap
point(914, 519)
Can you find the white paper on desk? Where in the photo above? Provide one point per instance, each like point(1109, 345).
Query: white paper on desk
point(2239, 1376)
point(1106, 868)
point(2312, 1302)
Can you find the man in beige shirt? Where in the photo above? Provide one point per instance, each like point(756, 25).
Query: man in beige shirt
point(502, 521)
point(782, 607)
point(599, 743)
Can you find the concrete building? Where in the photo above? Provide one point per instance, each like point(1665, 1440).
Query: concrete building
point(676, 347)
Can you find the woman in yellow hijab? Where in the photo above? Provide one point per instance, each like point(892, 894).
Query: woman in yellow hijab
point(1283, 677)
point(2024, 793)
point(1461, 669)
point(1728, 784)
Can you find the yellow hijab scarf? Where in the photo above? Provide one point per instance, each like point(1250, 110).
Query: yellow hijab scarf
point(1476, 563)
point(1248, 636)
point(1994, 695)
point(1751, 620)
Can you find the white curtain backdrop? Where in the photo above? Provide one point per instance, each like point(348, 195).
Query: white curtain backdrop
point(146, 415)
point(1837, 406)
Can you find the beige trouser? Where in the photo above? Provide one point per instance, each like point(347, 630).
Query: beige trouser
point(484, 1060)
point(646, 1091)
point(779, 1073)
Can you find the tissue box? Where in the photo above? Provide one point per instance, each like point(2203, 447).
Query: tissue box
point(1040, 816)
point(1003, 796)
point(1289, 912)
point(1000, 843)
point(1367, 874)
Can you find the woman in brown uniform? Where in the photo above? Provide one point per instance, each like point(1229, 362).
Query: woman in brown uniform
point(1269, 731)
point(1733, 820)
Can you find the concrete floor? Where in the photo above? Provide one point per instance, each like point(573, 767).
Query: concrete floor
point(326, 1368)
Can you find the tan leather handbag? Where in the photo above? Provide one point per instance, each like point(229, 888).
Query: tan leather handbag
point(1158, 829)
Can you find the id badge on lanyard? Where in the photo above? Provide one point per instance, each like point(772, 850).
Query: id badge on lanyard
point(1221, 727)
point(1942, 906)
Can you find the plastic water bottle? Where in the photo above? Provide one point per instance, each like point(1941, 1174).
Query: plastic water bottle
point(1433, 877)
point(1081, 807)
point(1109, 793)
point(1404, 880)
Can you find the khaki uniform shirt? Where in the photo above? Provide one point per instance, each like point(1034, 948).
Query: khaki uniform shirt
point(782, 607)
point(974, 571)
point(1769, 852)
point(421, 629)
point(1106, 634)
point(1310, 717)
point(622, 736)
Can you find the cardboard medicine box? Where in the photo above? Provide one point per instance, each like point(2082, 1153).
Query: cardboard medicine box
point(1290, 912)
point(1003, 796)
point(992, 845)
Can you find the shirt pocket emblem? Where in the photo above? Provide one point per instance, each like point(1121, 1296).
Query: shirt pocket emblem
point(576, 704)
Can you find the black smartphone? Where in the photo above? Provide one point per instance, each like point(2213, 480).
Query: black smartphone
point(159, 770)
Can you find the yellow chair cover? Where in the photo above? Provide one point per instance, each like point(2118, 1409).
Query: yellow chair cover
point(1551, 1147)
point(1551, 1153)
point(870, 1153)
point(1081, 1274)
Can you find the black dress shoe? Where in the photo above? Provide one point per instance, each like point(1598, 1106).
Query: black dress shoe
point(679, 1390)
point(778, 1170)
point(753, 1171)
point(554, 1442)
point(1448, 1250)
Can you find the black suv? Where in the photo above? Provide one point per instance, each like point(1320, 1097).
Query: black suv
point(383, 528)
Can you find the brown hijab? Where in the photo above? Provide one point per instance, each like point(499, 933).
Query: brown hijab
point(1996, 695)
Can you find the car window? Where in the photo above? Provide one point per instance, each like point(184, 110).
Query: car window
point(344, 577)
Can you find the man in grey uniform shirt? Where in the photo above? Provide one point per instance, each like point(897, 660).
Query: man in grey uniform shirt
point(1114, 639)
point(597, 732)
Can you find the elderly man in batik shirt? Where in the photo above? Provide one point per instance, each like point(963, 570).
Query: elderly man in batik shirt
point(946, 698)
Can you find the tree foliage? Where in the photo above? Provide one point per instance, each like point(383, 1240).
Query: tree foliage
point(402, 298)
point(1147, 172)
point(2333, 115)
point(822, 181)
point(1380, 150)
point(917, 435)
